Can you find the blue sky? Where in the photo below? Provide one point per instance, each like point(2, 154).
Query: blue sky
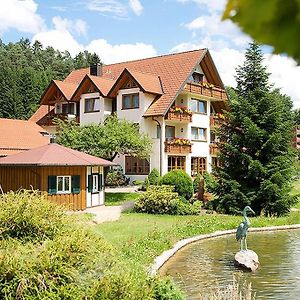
point(119, 30)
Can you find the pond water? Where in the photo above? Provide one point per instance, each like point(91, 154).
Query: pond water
point(208, 263)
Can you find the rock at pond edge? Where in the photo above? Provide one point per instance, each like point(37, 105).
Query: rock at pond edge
point(247, 259)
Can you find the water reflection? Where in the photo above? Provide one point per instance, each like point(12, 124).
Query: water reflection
point(207, 263)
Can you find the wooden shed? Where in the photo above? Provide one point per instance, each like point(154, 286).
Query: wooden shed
point(65, 176)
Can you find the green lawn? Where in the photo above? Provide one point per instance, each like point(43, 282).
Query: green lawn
point(139, 238)
point(119, 198)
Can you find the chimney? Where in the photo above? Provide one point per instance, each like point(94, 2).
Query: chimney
point(96, 70)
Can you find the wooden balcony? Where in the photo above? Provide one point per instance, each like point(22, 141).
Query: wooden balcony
point(215, 121)
point(179, 117)
point(212, 92)
point(172, 147)
point(213, 149)
point(51, 117)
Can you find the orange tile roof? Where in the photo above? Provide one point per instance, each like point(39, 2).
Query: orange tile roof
point(53, 155)
point(40, 117)
point(67, 88)
point(173, 70)
point(103, 84)
point(20, 135)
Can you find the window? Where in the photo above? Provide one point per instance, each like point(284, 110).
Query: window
point(170, 132)
point(176, 163)
point(91, 105)
point(198, 166)
point(63, 184)
point(68, 108)
point(130, 101)
point(95, 185)
point(197, 77)
point(136, 166)
point(198, 106)
point(198, 134)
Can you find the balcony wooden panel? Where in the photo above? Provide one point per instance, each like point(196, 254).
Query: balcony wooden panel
point(213, 92)
point(177, 149)
point(179, 117)
point(213, 149)
point(61, 117)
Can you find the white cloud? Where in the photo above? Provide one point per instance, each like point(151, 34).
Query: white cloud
point(20, 15)
point(122, 52)
point(78, 26)
point(136, 7)
point(112, 7)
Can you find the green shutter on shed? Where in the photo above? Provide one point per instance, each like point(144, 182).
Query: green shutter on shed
point(52, 184)
point(76, 184)
point(90, 183)
point(100, 185)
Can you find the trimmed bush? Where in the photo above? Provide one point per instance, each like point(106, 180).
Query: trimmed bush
point(181, 181)
point(137, 182)
point(154, 177)
point(163, 200)
point(116, 178)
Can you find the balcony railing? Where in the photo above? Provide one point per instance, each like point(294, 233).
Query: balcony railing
point(179, 117)
point(61, 117)
point(213, 92)
point(177, 146)
point(216, 120)
point(213, 149)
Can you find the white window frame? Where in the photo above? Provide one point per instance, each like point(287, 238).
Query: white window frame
point(198, 135)
point(197, 111)
point(64, 191)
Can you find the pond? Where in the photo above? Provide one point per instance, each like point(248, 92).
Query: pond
point(202, 265)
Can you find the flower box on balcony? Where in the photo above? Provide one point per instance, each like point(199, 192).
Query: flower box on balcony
point(179, 113)
point(178, 145)
point(216, 120)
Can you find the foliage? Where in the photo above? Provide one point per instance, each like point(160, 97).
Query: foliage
point(114, 137)
point(115, 178)
point(145, 185)
point(64, 259)
point(296, 116)
point(138, 182)
point(181, 181)
point(282, 22)
point(26, 70)
point(154, 177)
point(210, 182)
point(256, 157)
point(163, 200)
point(119, 198)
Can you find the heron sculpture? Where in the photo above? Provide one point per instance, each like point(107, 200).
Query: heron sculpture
point(241, 232)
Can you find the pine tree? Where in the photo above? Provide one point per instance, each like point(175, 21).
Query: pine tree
point(255, 149)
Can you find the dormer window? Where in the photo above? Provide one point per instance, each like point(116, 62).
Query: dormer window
point(91, 105)
point(130, 101)
point(68, 108)
point(197, 77)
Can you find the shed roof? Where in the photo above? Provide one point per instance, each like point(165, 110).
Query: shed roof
point(20, 135)
point(53, 155)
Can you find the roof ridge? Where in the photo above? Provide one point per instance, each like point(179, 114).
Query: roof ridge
point(157, 56)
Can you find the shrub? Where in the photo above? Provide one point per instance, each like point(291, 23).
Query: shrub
point(137, 182)
point(154, 177)
point(145, 185)
point(116, 178)
point(181, 181)
point(163, 200)
point(28, 217)
point(210, 182)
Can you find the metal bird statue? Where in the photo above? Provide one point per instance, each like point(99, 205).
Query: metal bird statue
point(241, 232)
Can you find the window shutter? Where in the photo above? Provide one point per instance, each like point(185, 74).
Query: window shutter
point(76, 184)
point(90, 183)
point(100, 185)
point(52, 185)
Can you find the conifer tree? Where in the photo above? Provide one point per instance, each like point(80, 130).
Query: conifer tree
point(255, 149)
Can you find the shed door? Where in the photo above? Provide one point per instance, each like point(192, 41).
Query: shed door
point(95, 193)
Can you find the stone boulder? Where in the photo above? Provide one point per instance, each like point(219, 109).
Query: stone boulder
point(247, 259)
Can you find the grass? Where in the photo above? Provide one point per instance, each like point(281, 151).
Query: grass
point(119, 198)
point(139, 238)
point(295, 191)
